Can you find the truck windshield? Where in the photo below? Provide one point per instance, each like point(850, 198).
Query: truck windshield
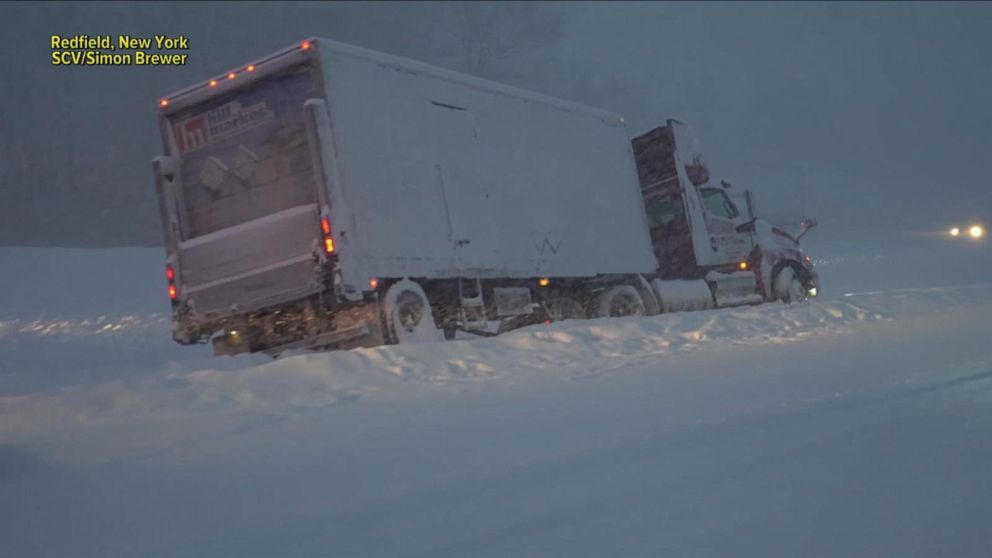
point(718, 203)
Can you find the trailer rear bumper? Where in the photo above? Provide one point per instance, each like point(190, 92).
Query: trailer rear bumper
point(356, 326)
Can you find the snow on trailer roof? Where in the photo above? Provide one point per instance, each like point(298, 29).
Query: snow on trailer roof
point(312, 46)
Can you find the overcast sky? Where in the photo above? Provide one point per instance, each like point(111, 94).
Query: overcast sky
point(870, 117)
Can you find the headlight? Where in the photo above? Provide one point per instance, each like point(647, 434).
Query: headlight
point(976, 231)
point(955, 231)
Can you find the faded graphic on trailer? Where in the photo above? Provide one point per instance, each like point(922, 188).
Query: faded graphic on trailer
point(244, 155)
point(219, 123)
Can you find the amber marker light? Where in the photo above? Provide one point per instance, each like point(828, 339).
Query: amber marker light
point(213, 83)
point(250, 68)
point(742, 266)
point(231, 75)
point(305, 45)
point(544, 281)
point(163, 103)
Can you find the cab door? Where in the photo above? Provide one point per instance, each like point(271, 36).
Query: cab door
point(722, 218)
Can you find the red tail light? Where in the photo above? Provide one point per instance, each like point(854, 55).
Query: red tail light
point(305, 45)
point(325, 227)
point(170, 276)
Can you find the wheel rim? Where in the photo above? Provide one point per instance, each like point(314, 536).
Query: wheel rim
point(410, 311)
point(624, 305)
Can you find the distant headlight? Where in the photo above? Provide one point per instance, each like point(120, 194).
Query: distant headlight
point(976, 231)
point(955, 231)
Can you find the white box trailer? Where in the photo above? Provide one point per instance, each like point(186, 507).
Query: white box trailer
point(439, 174)
point(309, 197)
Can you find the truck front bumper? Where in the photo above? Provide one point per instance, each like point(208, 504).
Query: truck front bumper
point(811, 279)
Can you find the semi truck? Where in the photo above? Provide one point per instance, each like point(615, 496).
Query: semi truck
point(331, 196)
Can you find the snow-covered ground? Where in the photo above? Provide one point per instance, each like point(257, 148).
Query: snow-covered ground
point(855, 425)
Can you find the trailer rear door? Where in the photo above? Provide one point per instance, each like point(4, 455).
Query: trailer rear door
point(246, 202)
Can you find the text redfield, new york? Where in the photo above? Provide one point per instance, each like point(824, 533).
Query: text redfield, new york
point(126, 42)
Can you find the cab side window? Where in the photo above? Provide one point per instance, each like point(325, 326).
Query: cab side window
point(718, 203)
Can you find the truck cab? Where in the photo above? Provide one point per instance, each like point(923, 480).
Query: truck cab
point(698, 232)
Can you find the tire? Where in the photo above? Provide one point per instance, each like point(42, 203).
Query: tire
point(563, 308)
point(408, 316)
point(788, 287)
point(620, 301)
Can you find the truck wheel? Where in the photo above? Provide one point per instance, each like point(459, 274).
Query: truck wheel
point(619, 301)
point(788, 287)
point(408, 314)
point(565, 308)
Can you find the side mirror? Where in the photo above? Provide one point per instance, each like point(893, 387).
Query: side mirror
point(749, 198)
point(806, 224)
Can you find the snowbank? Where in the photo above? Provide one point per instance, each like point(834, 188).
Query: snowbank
point(242, 388)
point(855, 425)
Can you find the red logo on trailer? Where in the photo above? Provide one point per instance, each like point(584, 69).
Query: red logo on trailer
point(191, 134)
